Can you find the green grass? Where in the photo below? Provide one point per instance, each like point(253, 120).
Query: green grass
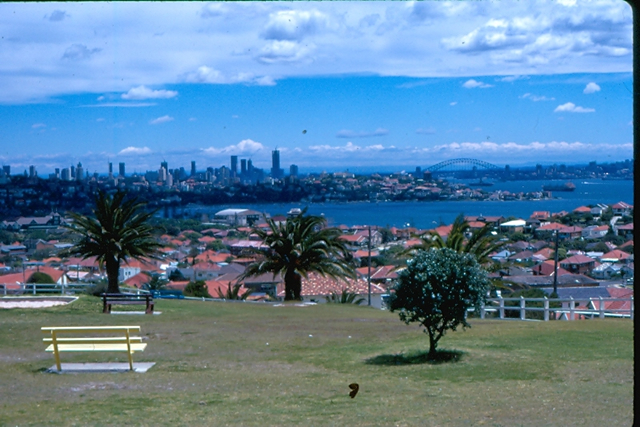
point(214, 368)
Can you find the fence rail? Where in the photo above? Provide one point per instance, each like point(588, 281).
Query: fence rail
point(47, 288)
point(568, 310)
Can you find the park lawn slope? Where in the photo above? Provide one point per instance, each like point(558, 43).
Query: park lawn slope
point(258, 364)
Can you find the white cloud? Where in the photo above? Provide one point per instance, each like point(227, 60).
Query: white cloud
point(143, 92)
point(294, 24)
point(193, 119)
point(345, 133)
point(570, 107)
point(244, 147)
point(100, 119)
point(471, 83)
point(135, 151)
point(453, 103)
point(204, 74)
point(513, 78)
point(536, 98)
point(284, 51)
point(38, 125)
point(591, 88)
point(163, 119)
point(349, 147)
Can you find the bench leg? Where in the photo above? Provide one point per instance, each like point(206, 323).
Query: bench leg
point(149, 309)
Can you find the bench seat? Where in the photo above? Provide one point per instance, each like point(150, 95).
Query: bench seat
point(93, 339)
point(127, 299)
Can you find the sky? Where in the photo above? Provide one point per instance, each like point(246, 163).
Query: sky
point(331, 85)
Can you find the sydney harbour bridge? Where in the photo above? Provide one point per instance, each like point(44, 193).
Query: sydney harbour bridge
point(466, 168)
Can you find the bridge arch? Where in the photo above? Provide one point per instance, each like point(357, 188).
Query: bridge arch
point(465, 162)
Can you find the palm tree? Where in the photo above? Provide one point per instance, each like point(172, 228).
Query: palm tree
point(233, 293)
point(481, 243)
point(345, 297)
point(299, 246)
point(119, 231)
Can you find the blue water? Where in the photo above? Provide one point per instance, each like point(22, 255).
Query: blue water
point(429, 214)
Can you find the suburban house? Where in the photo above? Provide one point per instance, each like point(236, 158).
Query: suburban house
point(622, 209)
point(595, 231)
point(570, 233)
point(515, 226)
point(579, 264)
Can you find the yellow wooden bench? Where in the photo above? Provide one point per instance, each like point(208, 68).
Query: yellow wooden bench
point(93, 338)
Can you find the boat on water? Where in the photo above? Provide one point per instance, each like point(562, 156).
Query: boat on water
point(567, 186)
point(480, 183)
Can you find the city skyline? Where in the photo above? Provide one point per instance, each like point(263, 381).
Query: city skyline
point(332, 86)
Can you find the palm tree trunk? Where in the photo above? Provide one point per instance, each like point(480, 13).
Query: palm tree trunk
point(292, 286)
point(113, 271)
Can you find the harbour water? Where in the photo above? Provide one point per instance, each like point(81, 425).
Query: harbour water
point(430, 214)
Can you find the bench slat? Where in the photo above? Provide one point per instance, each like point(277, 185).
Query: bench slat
point(99, 340)
point(98, 347)
point(89, 329)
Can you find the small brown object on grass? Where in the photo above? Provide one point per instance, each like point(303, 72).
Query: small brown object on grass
point(354, 389)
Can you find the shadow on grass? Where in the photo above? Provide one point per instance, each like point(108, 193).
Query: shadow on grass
point(416, 358)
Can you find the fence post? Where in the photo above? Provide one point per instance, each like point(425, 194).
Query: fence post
point(501, 307)
point(601, 308)
point(572, 308)
point(631, 311)
point(482, 310)
point(546, 309)
point(522, 309)
point(34, 288)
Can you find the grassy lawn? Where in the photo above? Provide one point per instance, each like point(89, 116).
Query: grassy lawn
point(243, 364)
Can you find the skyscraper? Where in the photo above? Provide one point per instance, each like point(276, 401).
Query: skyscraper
point(121, 169)
point(110, 169)
point(193, 168)
point(79, 172)
point(293, 170)
point(234, 166)
point(276, 172)
point(243, 167)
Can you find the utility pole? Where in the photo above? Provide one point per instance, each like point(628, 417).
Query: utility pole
point(555, 268)
point(369, 273)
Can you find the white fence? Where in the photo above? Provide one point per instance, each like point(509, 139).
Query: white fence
point(593, 308)
point(46, 288)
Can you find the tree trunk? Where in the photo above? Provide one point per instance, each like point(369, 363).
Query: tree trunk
point(433, 344)
point(292, 286)
point(113, 271)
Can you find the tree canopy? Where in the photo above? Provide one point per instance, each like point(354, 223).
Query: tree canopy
point(299, 246)
point(436, 289)
point(480, 243)
point(118, 230)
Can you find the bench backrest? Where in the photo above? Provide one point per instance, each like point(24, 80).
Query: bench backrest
point(89, 329)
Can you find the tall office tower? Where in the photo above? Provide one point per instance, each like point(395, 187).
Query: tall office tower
point(418, 173)
point(57, 173)
point(234, 166)
point(65, 174)
point(7, 170)
point(110, 169)
point(249, 166)
point(276, 172)
point(73, 172)
point(32, 171)
point(165, 165)
point(243, 167)
point(162, 174)
point(193, 168)
point(293, 170)
point(121, 169)
point(79, 172)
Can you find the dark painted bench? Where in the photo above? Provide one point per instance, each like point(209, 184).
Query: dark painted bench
point(127, 299)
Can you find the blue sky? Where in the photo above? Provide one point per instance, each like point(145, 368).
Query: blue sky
point(332, 85)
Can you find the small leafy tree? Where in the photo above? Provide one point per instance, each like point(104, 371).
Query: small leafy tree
point(345, 297)
point(436, 289)
point(155, 283)
point(197, 289)
point(40, 278)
